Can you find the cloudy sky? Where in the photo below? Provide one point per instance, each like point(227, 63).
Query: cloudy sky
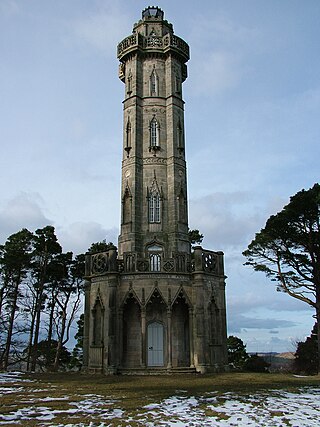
point(252, 124)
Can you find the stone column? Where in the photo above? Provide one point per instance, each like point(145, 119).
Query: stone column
point(199, 322)
point(86, 328)
point(143, 337)
point(120, 337)
point(169, 344)
point(191, 338)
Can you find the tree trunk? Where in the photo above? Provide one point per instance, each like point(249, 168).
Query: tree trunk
point(61, 336)
point(51, 315)
point(33, 318)
point(10, 326)
point(36, 330)
point(318, 333)
point(2, 297)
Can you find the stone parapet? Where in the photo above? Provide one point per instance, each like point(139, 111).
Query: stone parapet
point(207, 261)
point(201, 261)
point(138, 42)
point(107, 263)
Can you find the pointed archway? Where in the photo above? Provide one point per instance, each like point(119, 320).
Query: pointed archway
point(156, 319)
point(180, 331)
point(131, 335)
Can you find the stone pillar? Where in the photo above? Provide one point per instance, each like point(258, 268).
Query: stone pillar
point(191, 337)
point(120, 337)
point(111, 321)
point(197, 253)
point(223, 323)
point(143, 337)
point(169, 344)
point(86, 328)
point(199, 324)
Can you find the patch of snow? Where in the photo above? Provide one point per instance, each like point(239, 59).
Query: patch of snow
point(13, 377)
point(301, 376)
point(276, 408)
point(8, 390)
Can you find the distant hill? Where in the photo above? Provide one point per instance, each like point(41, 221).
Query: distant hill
point(278, 361)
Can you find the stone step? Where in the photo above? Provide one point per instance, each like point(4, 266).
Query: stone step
point(156, 371)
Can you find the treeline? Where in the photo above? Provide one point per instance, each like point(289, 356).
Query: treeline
point(41, 291)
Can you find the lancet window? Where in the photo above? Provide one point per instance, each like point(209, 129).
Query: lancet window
point(128, 137)
point(154, 207)
point(154, 134)
point(182, 208)
point(154, 84)
point(129, 83)
point(155, 252)
point(126, 206)
point(155, 262)
point(180, 137)
point(178, 84)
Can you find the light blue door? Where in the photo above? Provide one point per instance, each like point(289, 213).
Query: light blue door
point(155, 344)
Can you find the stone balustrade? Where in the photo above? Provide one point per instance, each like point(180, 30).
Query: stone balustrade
point(199, 261)
point(165, 43)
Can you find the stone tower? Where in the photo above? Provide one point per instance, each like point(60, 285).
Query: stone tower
point(154, 304)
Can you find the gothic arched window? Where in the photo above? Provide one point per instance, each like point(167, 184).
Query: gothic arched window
point(154, 84)
point(180, 137)
point(182, 208)
point(155, 262)
point(126, 207)
point(178, 84)
point(128, 137)
point(155, 252)
point(154, 134)
point(154, 207)
point(129, 83)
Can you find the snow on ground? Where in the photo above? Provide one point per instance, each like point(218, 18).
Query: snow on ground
point(276, 408)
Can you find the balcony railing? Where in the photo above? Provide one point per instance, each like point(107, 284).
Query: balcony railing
point(169, 41)
point(199, 261)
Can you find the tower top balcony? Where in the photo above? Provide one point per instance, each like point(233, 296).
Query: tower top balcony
point(153, 34)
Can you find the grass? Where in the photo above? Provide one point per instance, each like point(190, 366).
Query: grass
point(129, 393)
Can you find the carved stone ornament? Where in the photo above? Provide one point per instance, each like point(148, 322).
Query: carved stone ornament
point(155, 160)
point(99, 263)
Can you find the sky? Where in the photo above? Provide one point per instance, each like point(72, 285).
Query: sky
point(252, 128)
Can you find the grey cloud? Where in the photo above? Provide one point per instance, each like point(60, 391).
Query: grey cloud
point(272, 344)
point(226, 219)
point(78, 236)
point(22, 211)
point(236, 323)
point(267, 299)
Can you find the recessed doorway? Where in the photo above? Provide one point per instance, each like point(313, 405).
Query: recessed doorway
point(155, 344)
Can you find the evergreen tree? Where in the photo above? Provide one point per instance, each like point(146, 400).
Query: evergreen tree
point(14, 261)
point(237, 354)
point(306, 355)
point(255, 363)
point(287, 250)
point(46, 248)
point(195, 237)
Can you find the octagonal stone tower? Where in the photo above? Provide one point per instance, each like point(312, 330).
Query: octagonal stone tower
point(154, 185)
point(154, 304)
